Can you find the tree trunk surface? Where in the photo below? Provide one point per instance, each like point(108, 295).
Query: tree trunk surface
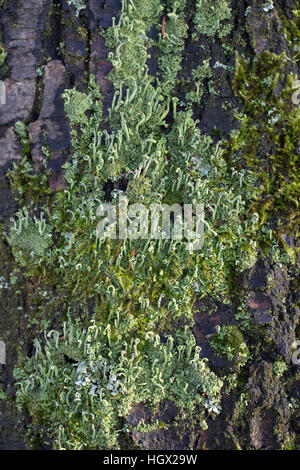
point(50, 49)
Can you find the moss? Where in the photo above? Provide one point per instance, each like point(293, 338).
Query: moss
point(279, 368)
point(21, 131)
point(3, 54)
point(292, 31)
point(27, 185)
point(270, 122)
point(145, 427)
point(229, 342)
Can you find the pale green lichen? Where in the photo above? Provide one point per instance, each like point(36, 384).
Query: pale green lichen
point(82, 403)
point(79, 5)
point(209, 17)
point(200, 74)
point(29, 238)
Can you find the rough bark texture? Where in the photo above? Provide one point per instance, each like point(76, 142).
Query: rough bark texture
point(50, 49)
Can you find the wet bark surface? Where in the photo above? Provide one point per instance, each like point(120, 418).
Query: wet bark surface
point(50, 49)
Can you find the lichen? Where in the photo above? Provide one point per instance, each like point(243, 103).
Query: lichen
point(82, 403)
point(79, 5)
point(209, 17)
point(123, 300)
